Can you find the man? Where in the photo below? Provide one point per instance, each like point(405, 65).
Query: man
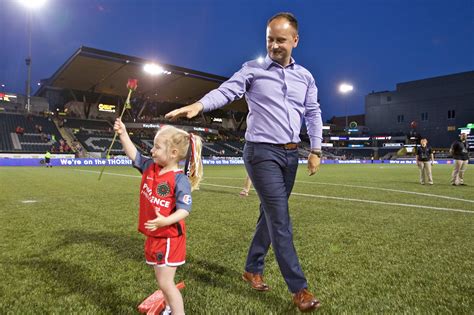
point(279, 93)
point(47, 159)
point(424, 160)
point(459, 151)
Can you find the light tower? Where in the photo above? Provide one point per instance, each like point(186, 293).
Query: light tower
point(345, 88)
point(30, 5)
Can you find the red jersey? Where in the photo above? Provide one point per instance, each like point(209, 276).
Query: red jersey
point(164, 194)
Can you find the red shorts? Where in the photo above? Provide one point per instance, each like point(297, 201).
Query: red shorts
point(165, 251)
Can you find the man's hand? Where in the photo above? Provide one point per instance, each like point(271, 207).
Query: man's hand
point(313, 164)
point(189, 111)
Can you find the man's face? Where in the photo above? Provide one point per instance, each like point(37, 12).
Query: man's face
point(423, 142)
point(463, 136)
point(281, 39)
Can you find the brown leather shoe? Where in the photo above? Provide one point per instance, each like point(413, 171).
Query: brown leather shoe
point(305, 301)
point(256, 281)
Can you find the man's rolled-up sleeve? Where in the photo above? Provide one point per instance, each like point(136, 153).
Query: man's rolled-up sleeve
point(229, 91)
point(312, 115)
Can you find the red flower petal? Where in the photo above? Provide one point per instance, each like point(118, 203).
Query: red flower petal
point(132, 84)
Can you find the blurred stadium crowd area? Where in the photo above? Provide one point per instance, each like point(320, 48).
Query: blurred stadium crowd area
point(68, 132)
point(28, 133)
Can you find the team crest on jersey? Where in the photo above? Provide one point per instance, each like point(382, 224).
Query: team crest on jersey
point(187, 199)
point(163, 189)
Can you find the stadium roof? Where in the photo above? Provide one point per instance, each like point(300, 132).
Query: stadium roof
point(104, 72)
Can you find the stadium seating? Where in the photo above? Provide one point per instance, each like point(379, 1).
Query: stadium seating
point(76, 123)
point(229, 148)
point(93, 143)
point(234, 146)
point(5, 140)
point(144, 144)
point(387, 152)
point(352, 153)
point(211, 149)
point(96, 136)
point(32, 140)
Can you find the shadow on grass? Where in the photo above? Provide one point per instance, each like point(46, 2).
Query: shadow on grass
point(71, 279)
point(124, 245)
point(229, 281)
point(206, 273)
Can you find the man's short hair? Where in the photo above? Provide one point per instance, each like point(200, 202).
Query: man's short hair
point(288, 16)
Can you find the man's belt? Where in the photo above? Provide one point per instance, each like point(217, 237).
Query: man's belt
point(286, 146)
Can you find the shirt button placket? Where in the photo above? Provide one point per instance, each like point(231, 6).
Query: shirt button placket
point(285, 100)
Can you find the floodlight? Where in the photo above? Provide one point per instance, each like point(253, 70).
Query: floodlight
point(344, 88)
point(32, 4)
point(153, 69)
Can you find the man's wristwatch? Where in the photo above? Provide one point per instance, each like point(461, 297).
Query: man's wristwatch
point(318, 153)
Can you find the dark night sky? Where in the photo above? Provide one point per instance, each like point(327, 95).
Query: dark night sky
point(372, 44)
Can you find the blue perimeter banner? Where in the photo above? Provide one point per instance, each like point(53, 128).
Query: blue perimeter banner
point(127, 162)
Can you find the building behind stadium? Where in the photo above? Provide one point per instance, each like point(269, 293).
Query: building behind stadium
point(435, 107)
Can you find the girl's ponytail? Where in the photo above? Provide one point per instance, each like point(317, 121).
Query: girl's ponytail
point(195, 171)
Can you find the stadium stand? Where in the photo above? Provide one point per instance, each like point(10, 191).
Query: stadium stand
point(346, 153)
point(235, 146)
point(144, 144)
point(386, 153)
point(228, 148)
point(99, 143)
point(38, 134)
point(87, 124)
point(20, 133)
point(211, 149)
point(5, 139)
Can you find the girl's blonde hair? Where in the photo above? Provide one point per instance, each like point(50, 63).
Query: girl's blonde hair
point(183, 141)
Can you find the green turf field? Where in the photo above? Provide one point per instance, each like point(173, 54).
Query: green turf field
point(369, 237)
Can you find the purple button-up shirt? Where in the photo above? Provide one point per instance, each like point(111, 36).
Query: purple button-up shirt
point(278, 99)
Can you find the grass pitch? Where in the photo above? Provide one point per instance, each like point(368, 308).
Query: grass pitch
point(370, 239)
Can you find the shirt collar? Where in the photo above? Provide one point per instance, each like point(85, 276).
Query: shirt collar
point(268, 62)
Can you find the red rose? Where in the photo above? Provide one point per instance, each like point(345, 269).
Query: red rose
point(132, 84)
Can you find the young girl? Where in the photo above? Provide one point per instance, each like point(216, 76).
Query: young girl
point(165, 201)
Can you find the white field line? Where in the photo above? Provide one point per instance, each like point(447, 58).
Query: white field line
point(360, 200)
point(107, 173)
point(317, 196)
point(368, 187)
